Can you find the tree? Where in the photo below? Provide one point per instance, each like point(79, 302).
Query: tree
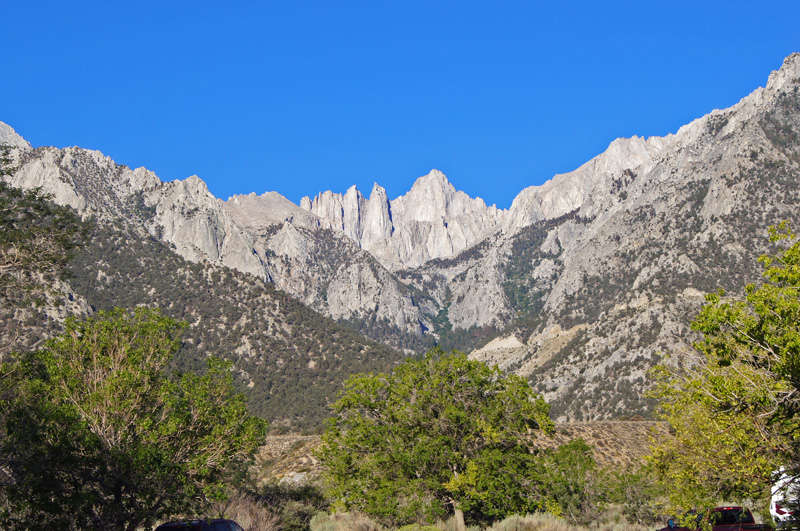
point(436, 436)
point(6, 164)
point(37, 238)
point(97, 434)
point(735, 410)
point(723, 448)
point(572, 481)
point(36, 241)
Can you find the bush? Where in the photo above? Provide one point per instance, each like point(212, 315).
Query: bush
point(94, 430)
point(572, 481)
point(638, 492)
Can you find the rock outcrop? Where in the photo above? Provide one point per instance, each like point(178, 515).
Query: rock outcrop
point(432, 220)
point(586, 189)
point(10, 137)
point(182, 213)
point(257, 212)
point(196, 223)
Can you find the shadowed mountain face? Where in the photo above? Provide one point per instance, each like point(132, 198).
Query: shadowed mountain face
point(580, 285)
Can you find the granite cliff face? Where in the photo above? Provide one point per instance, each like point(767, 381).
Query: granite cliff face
point(627, 270)
point(588, 188)
point(326, 270)
point(579, 285)
point(10, 137)
point(432, 220)
point(182, 213)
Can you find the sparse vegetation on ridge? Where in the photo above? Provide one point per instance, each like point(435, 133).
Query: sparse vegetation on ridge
point(289, 360)
point(37, 240)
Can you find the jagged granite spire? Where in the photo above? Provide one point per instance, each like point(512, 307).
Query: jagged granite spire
point(432, 220)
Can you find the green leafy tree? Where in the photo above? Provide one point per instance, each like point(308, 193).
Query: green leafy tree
point(6, 164)
point(98, 435)
point(573, 483)
point(436, 436)
point(735, 410)
point(640, 492)
point(725, 445)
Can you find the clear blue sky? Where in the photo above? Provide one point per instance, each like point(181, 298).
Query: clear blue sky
point(304, 96)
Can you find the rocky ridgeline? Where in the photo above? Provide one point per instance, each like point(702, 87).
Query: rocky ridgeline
point(580, 284)
point(432, 220)
point(182, 213)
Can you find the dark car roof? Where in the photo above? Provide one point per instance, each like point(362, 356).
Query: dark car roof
point(218, 524)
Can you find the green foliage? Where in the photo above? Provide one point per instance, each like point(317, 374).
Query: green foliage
point(37, 238)
point(639, 491)
point(386, 332)
point(525, 293)
point(36, 241)
point(571, 479)
point(468, 338)
point(294, 506)
point(720, 450)
point(735, 413)
point(6, 167)
point(96, 434)
point(438, 434)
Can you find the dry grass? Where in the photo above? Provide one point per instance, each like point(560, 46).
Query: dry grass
point(247, 512)
point(531, 522)
point(286, 456)
point(344, 522)
point(548, 522)
point(615, 444)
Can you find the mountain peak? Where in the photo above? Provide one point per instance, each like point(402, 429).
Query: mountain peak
point(12, 138)
point(435, 177)
point(436, 174)
point(378, 191)
point(792, 61)
point(787, 74)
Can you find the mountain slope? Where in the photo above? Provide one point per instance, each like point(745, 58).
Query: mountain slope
point(580, 285)
point(289, 360)
point(631, 274)
point(326, 270)
point(172, 246)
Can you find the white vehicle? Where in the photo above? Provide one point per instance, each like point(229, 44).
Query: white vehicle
point(785, 498)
